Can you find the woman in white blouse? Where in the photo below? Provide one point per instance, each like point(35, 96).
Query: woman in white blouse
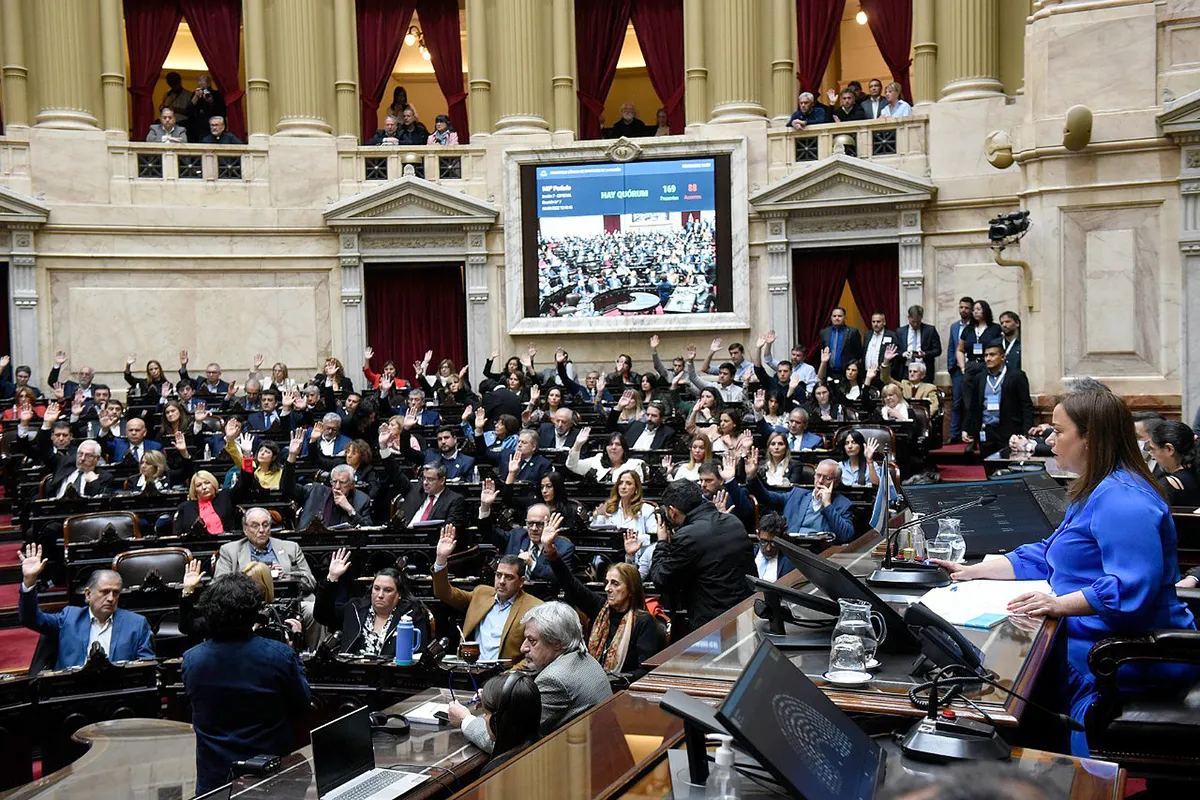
point(895, 107)
point(699, 451)
point(606, 466)
point(626, 510)
point(894, 406)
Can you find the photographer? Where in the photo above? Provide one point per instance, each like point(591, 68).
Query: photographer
point(278, 621)
point(204, 104)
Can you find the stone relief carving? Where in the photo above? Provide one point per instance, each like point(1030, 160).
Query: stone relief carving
point(1193, 159)
point(22, 240)
point(624, 150)
point(797, 227)
point(412, 243)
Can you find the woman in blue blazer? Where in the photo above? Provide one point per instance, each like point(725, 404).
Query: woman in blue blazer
point(1112, 562)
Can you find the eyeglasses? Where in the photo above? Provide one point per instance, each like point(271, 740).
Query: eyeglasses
point(535, 523)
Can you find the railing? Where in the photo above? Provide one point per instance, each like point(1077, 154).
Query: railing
point(365, 166)
point(898, 143)
point(148, 161)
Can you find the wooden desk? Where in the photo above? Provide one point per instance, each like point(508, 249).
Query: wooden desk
point(706, 663)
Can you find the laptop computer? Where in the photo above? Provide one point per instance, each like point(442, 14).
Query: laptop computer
point(344, 762)
point(781, 718)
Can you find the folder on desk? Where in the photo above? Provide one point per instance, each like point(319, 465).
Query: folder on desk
point(980, 604)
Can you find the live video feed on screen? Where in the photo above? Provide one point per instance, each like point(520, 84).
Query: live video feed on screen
point(628, 239)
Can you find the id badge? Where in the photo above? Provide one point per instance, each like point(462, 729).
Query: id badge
point(982, 435)
point(977, 349)
point(993, 405)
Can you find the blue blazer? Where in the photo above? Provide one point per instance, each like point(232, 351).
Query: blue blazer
point(796, 505)
point(257, 421)
point(339, 445)
point(511, 543)
point(458, 467)
point(430, 418)
point(121, 446)
point(131, 638)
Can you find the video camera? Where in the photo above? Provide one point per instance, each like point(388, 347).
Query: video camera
point(1008, 226)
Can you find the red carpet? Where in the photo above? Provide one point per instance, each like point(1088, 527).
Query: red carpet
point(955, 473)
point(16, 648)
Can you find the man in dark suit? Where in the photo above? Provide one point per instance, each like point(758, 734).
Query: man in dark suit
point(525, 543)
point(522, 462)
point(268, 419)
point(217, 134)
point(340, 503)
point(917, 341)
point(503, 400)
point(123, 635)
point(1001, 406)
point(127, 450)
point(428, 417)
point(878, 340)
point(81, 476)
point(560, 432)
point(702, 557)
point(457, 464)
point(70, 387)
point(211, 389)
point(771, 564)
point(430, 500)
point(649, 435)
point(53, 444)
point(874, 102)
point(848, 109)
point(844, 343)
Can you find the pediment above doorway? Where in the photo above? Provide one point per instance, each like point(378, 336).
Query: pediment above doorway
point(1181, 120)
point(18, 209)
point(408, 203)
point(843, 182)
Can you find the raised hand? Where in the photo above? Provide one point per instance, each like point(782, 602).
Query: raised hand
point(418, 368)
point(480, 418)
point(52, 413)
point(200, 413)
point(526, 362)
point(428, 357)
point(531, 351)
point(245, 443)
point(488, 493)
point(890, 352)
point(183, 358)
point(330, 368)
point(462, 373)
point(826, 354)
point(715, 345)
point(410, 419)
point(752, 464)
point(833, 96)
point(632, 545)
point(690, 352)
point(626, 401)
point(551, 529)
point(385, 437)
point(535, 394)
point(338, 564)
point(25, 415)
point(560, 356)
point(514, 463)
point(385, 385)
point(743, 442)
point(77, 403)
point(871, 374)
point(468, 412)
point(368, 354)
point(60, 357)
point(289, 399)
point(771, 336)
point(232, 391)
point(129, 359)
point(318, 429)
point(258, 361)
point(445, 545)
point(585, 433)
point(760, 342)
point(728, 468)
point(654, 340)
point(721, 501)
point(193, 572)
point(495, 354)
point(760, 400)
point(4, 362)
point(667, 463)
point(296, 444)
point(181, 444)
point(871, 447)
point(32, 564)
point(232, 429)
point(60, 390)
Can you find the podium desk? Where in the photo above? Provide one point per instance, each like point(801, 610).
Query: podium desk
point(708, 661)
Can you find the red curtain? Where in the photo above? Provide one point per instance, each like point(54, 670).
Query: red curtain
point(439, 22)
point(217, 27)
point(818, 278)
point(818, 24)
point(150, 27)
point(381, 28)
point(875, 282)
point(891, 25)
point(659, 28)
point(599, 33)
point(414, 309)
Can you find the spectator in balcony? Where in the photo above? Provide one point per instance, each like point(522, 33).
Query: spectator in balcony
point(629, 125)
point(176, 98)
point(410, 132)
point(873, 103)
point(204, 104)
point(218, 134)
point(895, 106)
point(809, 113)
point(399, 103)
point(443, 131)
point(167, 130)
point(848, 110)
point(389, 134)
point(662, 125)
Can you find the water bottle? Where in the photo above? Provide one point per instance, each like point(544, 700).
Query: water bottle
point(408, 639)
point(723, 783)
point(917, 537)
point(475, 475)
point(948, 531)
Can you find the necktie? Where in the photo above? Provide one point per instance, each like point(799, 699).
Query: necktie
point(137, 453)
point(429, 508)
point(80, 484)
point(792, 440)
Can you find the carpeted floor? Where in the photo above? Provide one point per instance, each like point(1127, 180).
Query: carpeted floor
point(16, 648)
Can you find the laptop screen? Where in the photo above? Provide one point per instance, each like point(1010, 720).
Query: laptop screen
point(790, 726)
point(342, 750)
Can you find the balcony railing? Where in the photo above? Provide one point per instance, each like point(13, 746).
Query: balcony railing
point(362, 167)
point(899, 143)
point(146, 162)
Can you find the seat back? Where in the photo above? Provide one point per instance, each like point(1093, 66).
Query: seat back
point(91, 527)
point(168, 562)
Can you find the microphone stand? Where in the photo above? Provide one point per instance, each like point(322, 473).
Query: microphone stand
point(914, 574)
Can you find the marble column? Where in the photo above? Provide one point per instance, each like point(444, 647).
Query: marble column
point(779, 281)
point(13, 73)
point(973, 50)
point(300, 62)
point(925, 49)
point(65, 63)
point(733, 28)
point(1189, 246)
point(112, 66)
point(566, 107)
point(478, 84)
point(345, 84)
point(520, 66)
point(783, 65)
point(479, 326)
point(354, 315)
point(695, 58)
point(912, 265)
point(23, 308)
point(254, 27)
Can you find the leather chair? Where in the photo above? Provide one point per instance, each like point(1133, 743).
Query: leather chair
point(1151, 734)
point(135, 565)
point(91, 527)
point(885, 435)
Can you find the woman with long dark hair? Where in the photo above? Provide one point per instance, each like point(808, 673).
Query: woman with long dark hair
point(512, 709)
point(971, 343)
point(1112, 562)
point(607, 466)
point(366, 626)
point(153, 389)
point(1173, 447)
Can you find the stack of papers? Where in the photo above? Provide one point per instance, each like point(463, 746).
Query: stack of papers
point(424, 713)
point(978, 604)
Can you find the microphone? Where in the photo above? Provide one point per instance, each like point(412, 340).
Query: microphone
point(914, 575)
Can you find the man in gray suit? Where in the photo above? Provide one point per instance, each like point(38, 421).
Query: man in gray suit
point(569, 680)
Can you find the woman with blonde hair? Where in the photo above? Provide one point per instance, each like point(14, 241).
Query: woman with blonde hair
point(260, 573)
point(208, 504)
point(625, 509)
point(896, 107)
point(894, 406)
point(699, 451)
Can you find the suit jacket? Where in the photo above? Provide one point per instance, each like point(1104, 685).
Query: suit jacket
point(477, 603)
point(131, 639)
point(121, 446)
point(234, 556)
point(889, 337)
point(855, 113)
point(852, 345)
point(458, 467)
point(633, 431)
point(931, 346)
point(202, 390)
point(1016, 408)
point(97, 488)
point(546, 436)
point(502, 401)
point(783, 564)
point(516, 541)
point(45, 451)
point(450, 506)
point(257, 422)
point(570, 685)
point(952, 347)
point(314, 497)
point(796, 506)
point(872, 107)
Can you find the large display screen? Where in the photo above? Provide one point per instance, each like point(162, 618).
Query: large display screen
point(627, 239)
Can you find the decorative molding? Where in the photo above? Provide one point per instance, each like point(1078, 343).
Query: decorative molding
point(776, 228)
point(25, 302)
point(1190, 188)
point(910, 240)
point(22, 260)
point(623, 150)
point(910, 219)
point(475, 241)
point(777, 247)
point(478, 295)
point(912, 283)
point(350, 260)
point(22, 240)
point(778, 287)
point(844, 224)
point(415, 242)
point(350, 300)
point(1193, 159)
point(837, 184)
point(409, 202)
point(349, 242)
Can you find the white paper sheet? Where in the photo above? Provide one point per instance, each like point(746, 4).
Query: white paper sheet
point(424, 713)
point(980, 603)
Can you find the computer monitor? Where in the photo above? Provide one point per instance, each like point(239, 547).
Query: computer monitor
point(1050, 495)
point(1013, 519)
point(342, 750)
point(837, 583)
point(781, 718)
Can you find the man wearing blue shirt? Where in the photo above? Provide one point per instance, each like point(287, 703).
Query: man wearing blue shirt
point(956, 378)
point(844, 342)
point(808, 113)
